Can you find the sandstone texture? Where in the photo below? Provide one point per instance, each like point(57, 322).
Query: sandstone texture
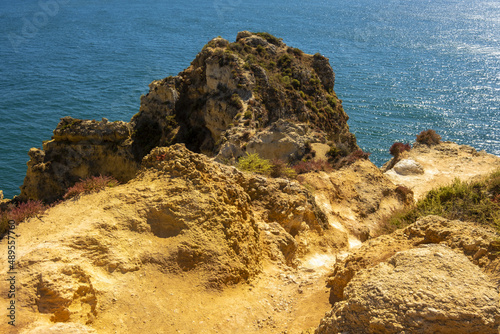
point(425, 167)
point(356, 198)
point(187, 243)
point(478, 243)
point(184, 222)
point(255, 95)
point(78, 149)
point(429, 289)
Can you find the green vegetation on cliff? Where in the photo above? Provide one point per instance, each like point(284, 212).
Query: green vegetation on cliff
point(476, 201)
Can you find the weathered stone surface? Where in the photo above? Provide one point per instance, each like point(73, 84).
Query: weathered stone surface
point(183, 215)
point(79, 149)
point(234, 95)
point(408, 167)
point(355, 197)
point(430, 289)
point(253, 95)
point(441, 165)
point(476, 242)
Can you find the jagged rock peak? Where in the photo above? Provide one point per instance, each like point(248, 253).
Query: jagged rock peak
point(233, 93)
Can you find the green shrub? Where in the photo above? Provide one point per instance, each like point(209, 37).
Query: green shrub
point(467, 201)
point(261, 50)
point(297, 52)
point(296, 83)
point(270, 38)
point(91, 185)
point(285, 61)
point(236, 101)
point(255, 164)
point(329, 110)
point(428, 137)
point(332, 101)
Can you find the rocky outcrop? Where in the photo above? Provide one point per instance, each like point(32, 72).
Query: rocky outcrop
point(478, 243)
point(78, 149)
point(356, 197)
point(183, 217)
point(429, 289)
point(425, 167)
point(255, 95)
point(241, 96)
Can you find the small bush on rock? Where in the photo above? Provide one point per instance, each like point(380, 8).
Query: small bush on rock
point(398, 148)
point(312, 166)
point(282, 169)
point(428, 137)
point(255, 164)
point(90, 185)
point(355, 156)
point(19, 213)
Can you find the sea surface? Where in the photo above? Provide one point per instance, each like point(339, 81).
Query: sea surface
point(402, 66)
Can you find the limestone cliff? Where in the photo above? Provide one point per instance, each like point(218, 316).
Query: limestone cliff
point(255, 95)
point(189, 244)
point(78, 149)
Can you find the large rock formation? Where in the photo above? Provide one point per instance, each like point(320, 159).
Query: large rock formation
point(430, 289)
point(78, 149)
point(255, 95)
point(478, 244)
point(234, 91)
point(182, 218)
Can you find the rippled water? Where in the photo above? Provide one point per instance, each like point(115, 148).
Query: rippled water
point(401, 66)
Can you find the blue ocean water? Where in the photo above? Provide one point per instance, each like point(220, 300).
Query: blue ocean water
point(401, 66)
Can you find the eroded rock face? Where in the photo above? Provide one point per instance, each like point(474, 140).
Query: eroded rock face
point(478, 243)
point(79, 149)
point(234, 95)
point(430, 289)
point(183, 215)
point(356, 197)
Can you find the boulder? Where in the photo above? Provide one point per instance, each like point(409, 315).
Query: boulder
point(429, 289)
point(408, 167)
